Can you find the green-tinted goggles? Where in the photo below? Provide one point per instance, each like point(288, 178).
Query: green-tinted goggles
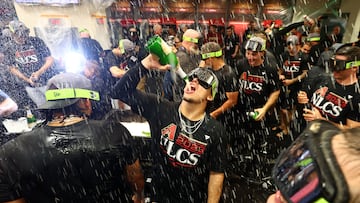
point(206, 78)
point(190, 39)
point(339, 65)
point(71, 93)
point(307, 173)
point(212, 54)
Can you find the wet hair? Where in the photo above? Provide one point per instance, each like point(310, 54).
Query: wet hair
point(92, 64)
point(351, 52)
point(210, 47)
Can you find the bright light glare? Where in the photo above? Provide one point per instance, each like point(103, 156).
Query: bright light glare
point(74, 62)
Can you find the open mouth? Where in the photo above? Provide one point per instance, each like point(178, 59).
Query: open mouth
point(190, 89)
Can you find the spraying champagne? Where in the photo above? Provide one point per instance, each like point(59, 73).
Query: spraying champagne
point(157, 46)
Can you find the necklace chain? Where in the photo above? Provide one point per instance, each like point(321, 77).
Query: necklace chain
point(190, 129)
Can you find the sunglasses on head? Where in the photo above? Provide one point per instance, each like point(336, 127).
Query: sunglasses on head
point(339, 65)
point(307, 171)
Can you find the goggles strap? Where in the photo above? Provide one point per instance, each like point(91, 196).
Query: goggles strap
point(71, 93)
point(352, 64)
point(212, 54)
point(313, 39)
point(321, 200)
point(121, 47)
point(83, 30)
point(190, 39)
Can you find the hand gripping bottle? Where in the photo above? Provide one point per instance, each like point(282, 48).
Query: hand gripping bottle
point(156, 45)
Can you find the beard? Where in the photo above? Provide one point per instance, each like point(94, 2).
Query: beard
point(194, 51)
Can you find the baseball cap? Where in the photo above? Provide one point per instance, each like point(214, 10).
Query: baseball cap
point(293, 39)
point(66, 89)
point(255, 44)
point(207, 79)
point(126, 46)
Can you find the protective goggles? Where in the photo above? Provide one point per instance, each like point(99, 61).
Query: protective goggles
point(307, 171)
point(190, 39)
point(22, 32)
point(339, 65)
point(206, 78)
point(71, 93)
point(255, 45)
point(212, 54)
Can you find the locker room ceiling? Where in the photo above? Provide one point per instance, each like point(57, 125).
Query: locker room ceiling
point(206, 9)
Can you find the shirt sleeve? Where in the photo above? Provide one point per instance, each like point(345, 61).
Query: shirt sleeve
point(274, 78)
point(231, 82)
point(218, 149)
point(354, 106)
point(42, 49)
point(3, 96)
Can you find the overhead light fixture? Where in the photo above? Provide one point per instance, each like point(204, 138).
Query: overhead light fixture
point(272, 11)
point(211, 10)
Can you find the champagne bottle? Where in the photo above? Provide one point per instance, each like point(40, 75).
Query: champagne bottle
point(252, 114)
point(31, 120)
point(157, 46)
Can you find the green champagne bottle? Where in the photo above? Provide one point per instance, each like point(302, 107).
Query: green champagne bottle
point(157, 46)
point(31, 120)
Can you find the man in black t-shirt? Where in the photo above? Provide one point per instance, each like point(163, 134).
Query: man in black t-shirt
point(232, 46)
point(29, 60)
point(259, 85)
point(336, 97)
point(228, 84)
point(221, 107)
point(189, 57)
point(90, 48)
point(117, 61)
point(259, 92)
point(70, 158)
point(292, 72)
point(188, 146)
